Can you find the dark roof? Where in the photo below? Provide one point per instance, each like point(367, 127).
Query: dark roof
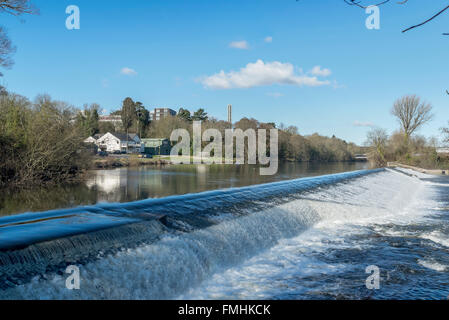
point(123, 136)
point(133, 135)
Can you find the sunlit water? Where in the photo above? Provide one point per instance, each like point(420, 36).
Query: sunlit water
point(131, 184)
point(309, 238)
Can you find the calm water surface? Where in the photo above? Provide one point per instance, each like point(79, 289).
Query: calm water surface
point(130, 184)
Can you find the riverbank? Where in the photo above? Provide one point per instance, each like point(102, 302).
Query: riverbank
point(126, 161)
point(437, 172)
point(112, 161)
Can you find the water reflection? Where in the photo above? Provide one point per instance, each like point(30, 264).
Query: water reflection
point(130, 184)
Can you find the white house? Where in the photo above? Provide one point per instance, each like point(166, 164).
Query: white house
point(120, 142)
point(93, 139)
point(90, 140)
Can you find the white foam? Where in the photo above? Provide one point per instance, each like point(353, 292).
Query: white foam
point(437, 237)
point(249, 256)
point(268, 274)
point(432, 265)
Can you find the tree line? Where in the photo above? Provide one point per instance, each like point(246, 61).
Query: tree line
point(135, 118)
point(404, 145)
point(40, 142)
point(292, 145)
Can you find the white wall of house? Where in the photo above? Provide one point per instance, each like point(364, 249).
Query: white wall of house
point(109, 143)
point(90, 140)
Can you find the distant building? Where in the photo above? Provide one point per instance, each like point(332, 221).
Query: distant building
point(116, 121)
point(90, 140)
point(120, 142)
point(161, 113)
point(112, 119)
point(157, 146)
point(93, 139)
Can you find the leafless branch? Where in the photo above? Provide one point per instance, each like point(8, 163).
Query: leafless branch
point(6, 50)
point(428, 20)
point(358, 3)
point(17, 7)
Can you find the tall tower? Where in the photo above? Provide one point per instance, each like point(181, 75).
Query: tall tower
point(230, 114)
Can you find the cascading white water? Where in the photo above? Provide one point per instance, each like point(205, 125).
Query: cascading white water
point(305, 266)
point(178, 263)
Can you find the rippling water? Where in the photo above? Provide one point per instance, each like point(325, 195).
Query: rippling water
point(309, 238)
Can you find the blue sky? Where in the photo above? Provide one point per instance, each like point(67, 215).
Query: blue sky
point(177, 50)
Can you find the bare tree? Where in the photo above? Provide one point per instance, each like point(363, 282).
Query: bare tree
point(365, 4)
point(377, 140)
point(411, 114)
point(445, 132)
point(6, 50)
point(17, 7)
point(14, 7)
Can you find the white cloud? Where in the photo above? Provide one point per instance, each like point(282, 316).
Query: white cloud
point(317, 71)
point(363, 124)
point(128, 71)
point(268, 39)
point(261, 74)
point(239, 45)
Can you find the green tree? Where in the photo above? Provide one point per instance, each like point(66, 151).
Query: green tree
point(88, 119)
point(128, 115)
point(142, 117)
point(185, 114)
point(200, 115)
point(105, 127)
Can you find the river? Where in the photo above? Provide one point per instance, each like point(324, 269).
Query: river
point(137, 183)
point(296, 236)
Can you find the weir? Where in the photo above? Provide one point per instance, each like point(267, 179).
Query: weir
point(39, 243)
